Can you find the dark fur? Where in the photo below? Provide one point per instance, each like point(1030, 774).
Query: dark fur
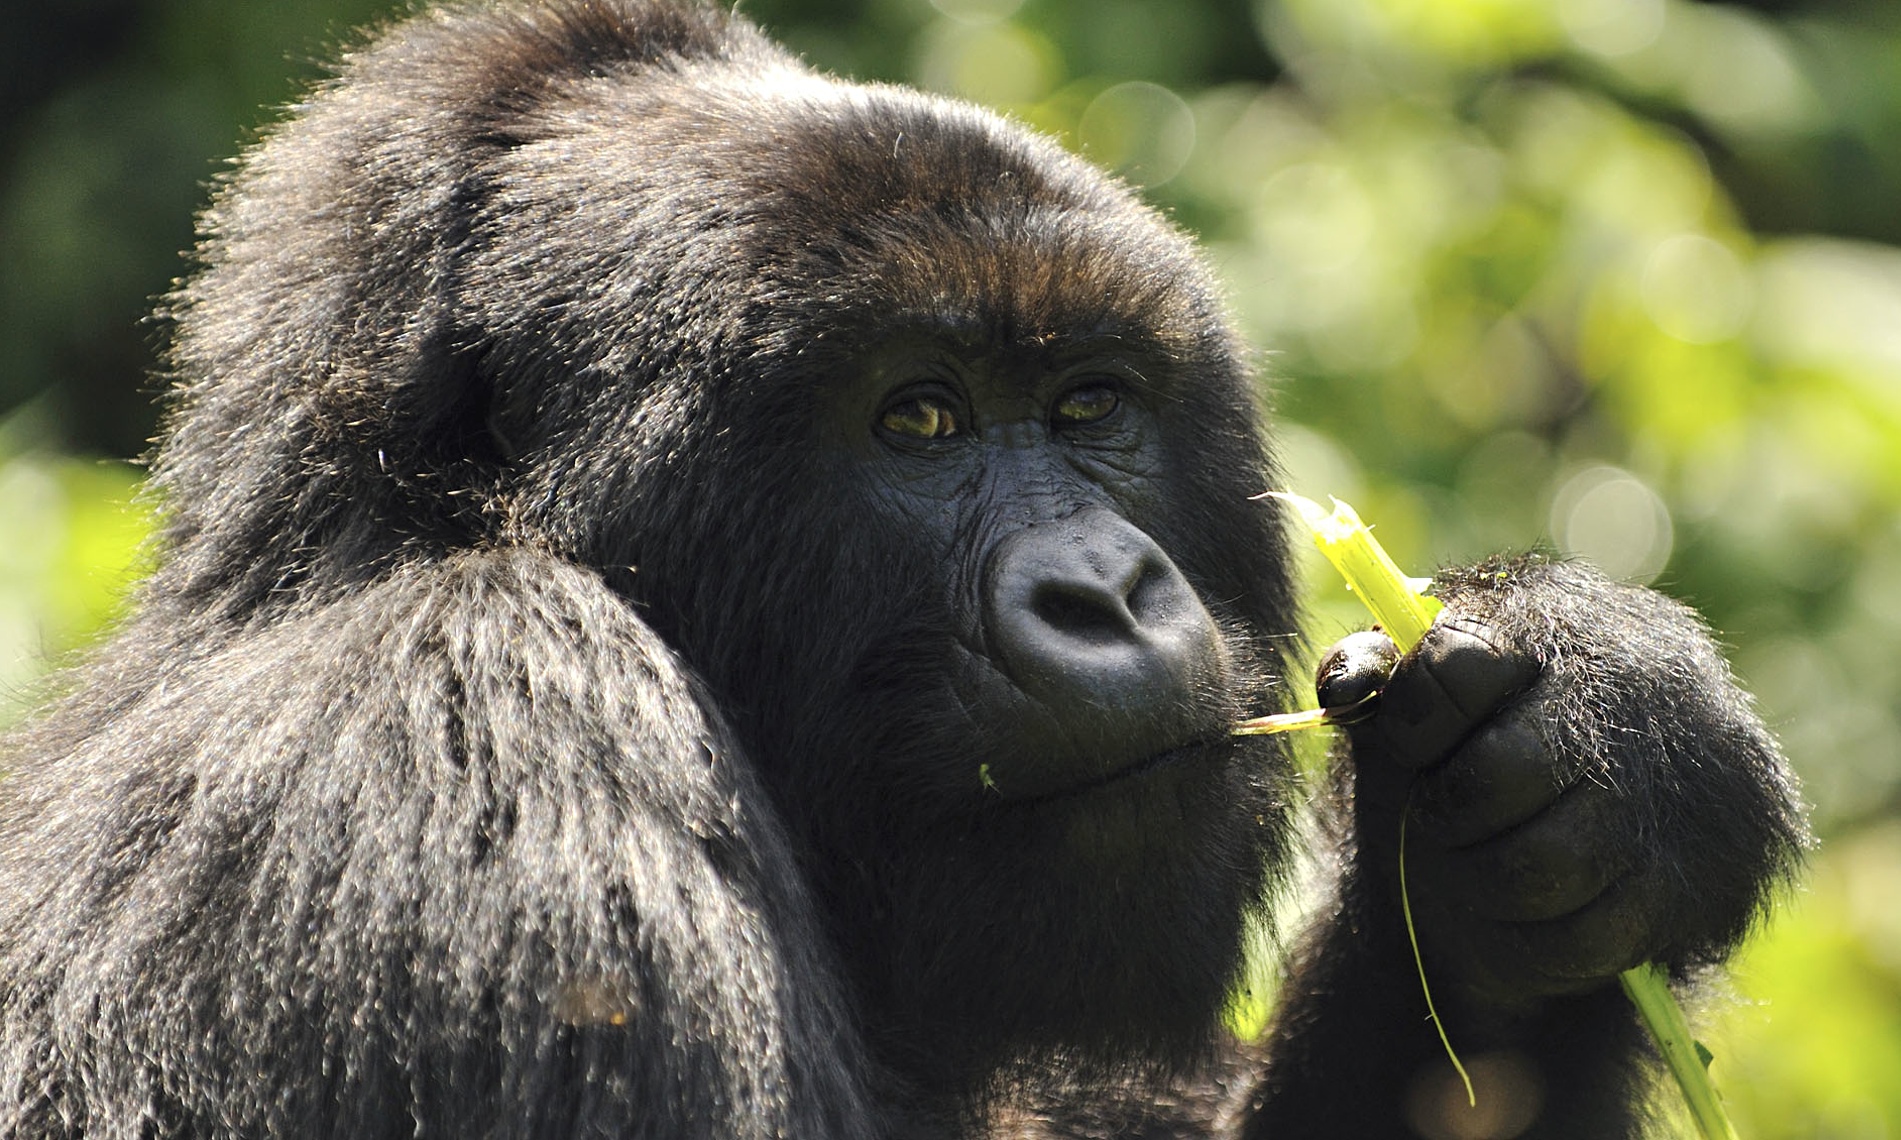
point(537, 724)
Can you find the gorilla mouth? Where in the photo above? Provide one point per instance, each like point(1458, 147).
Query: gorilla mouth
point(1135, 772)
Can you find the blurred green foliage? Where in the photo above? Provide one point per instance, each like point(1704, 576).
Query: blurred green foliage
point(72, 537)
point(1612, 276)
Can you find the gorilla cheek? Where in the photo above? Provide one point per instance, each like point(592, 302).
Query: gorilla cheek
point(1092, 622)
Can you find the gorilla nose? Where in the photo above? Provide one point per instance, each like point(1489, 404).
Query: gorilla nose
point(1088, 615)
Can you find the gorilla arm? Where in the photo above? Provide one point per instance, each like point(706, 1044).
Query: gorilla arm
point(351, 842)
point(1585, 789)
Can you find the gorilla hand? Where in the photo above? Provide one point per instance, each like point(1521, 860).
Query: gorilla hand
point(1584, 787)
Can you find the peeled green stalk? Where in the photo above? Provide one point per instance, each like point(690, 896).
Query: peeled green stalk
point(1405, 613)
point(1274, 723)
point(1396, 601)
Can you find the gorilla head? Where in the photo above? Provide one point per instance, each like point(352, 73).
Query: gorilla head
point(923, 444)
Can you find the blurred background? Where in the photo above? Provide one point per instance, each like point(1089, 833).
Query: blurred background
point(1615, 277)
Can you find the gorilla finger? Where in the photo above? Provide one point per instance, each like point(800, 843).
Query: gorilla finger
point(1355, 669)
point(1460, 673)
point(1618, 930)
point(1551, 867)
point(1502, 776)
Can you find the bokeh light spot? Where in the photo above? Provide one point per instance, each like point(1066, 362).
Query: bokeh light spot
point(1000, 65)
point(1142, 131)
point(1614, 520)
point(1696, 290)
point(1505, 1085)
point(1316, 216)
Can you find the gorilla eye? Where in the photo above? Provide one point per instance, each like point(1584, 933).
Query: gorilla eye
point(920, 417)
point(1089, 404)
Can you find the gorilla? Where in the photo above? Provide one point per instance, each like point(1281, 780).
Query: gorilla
point(697, 599)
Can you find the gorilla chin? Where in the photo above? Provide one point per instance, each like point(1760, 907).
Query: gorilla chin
point(1167, 807)
point(1133, 891)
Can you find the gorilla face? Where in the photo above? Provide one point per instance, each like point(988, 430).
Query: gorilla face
point(1075, 638)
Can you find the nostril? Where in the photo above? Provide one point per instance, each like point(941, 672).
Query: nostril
point(1082, 612)
point(1156, 595)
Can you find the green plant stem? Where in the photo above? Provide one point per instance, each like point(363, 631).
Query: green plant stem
point(1649, 990)
point(1396, 601)
point(1275, 723)
point(1419, 961)
point(1405, 613)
